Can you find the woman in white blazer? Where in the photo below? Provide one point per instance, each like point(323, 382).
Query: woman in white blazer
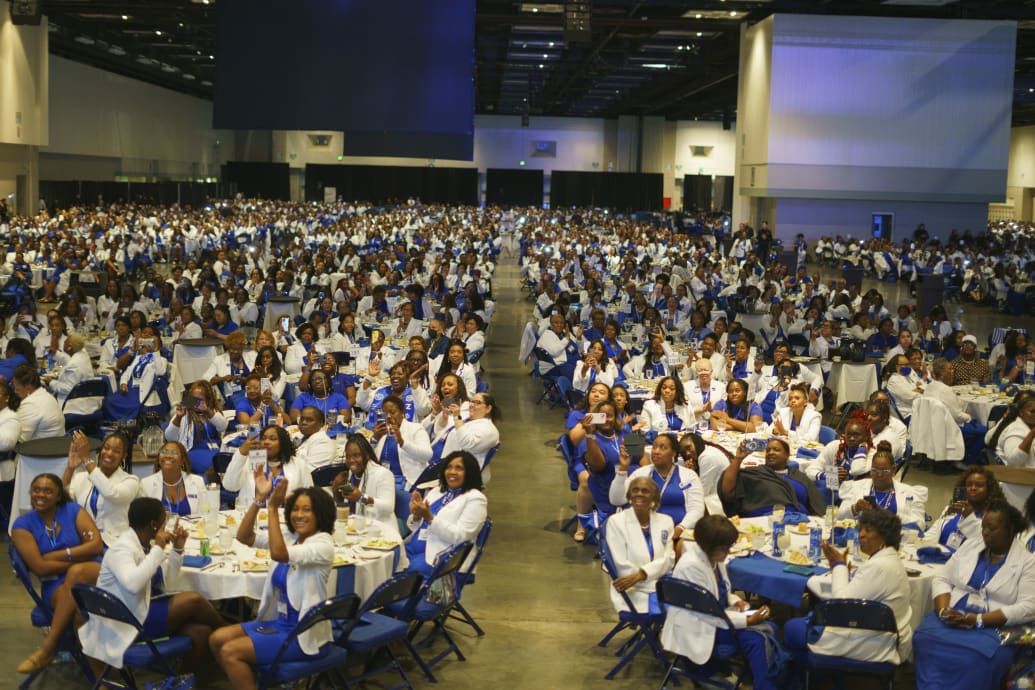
point(367, 486)
point(455, 362)
point(127, 573)
point(451, 513)
point(680, 491)
point(301, 569)
point(78, 368)
point(880, 578)
point(988, 583)
point(172, 483)
point(280, 464)
point(881, 491)
point(799, 418)
point(668, 409)
point(961, 519)
point(401, 446)
point(595, 366)
point(694, 636)
point(103, 487)
point(478, 435)
point(641, 543)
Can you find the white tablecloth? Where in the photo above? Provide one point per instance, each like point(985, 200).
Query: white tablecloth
point(852, 381)
point(980, 405)
point(189, 364)
point(276, 309)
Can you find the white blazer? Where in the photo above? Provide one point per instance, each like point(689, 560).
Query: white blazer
point(690, 634)
point(457, 521)
point(194, 484)
point(114, 494)
point(693, 491)
point(317, 450)
point(1011, 589)
point(378, 483)
point(309, 566)
point(476, 436)
point(414, 453)
point(629, 551)
point(126, 573)
point(808, 429)
point(239, 476)
point(79, 368)
point(653, 416)
point(896, 434)
point(581, 382)
point(910, 501)
point(880, 578)
point(465, 373)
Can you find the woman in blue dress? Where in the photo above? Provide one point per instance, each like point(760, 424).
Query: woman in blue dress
point(319, 396)
point(297, 581)
point(600, 454)
point(736, 412)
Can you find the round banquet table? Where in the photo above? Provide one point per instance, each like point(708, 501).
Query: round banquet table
point(981, 400)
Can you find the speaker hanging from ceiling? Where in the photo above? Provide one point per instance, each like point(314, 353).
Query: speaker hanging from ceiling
point(26, 12)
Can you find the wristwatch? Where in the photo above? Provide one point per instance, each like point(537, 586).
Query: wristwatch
point(979, 622)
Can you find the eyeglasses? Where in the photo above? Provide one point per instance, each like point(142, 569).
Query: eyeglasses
point(874, 470)
point(476, 402)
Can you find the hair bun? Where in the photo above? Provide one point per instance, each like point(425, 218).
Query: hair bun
point(884, 446)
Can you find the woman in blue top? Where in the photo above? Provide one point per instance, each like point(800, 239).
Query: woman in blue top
point(735, 412)
point(298, 580)
point(318, 396)
point(19, 351)
point(61, 545)
point(973, 491)
point(601, 452)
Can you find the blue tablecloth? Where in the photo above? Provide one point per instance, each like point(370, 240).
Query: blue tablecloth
point(766, 577)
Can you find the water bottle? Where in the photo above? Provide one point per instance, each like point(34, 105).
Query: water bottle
point(50, 360)
point(815, 540)
point(778, 530)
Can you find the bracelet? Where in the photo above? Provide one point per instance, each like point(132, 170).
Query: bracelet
point(179, 551)
point(979, 622)
point(68, 552)
point(257, 503)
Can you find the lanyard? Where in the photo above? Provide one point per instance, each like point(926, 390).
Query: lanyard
point(663, 485)
point(650, 544)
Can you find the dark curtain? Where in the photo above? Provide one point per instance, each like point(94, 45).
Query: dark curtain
point(382, 183)
point(262, 180)
point(618, 191)
point(519, 187)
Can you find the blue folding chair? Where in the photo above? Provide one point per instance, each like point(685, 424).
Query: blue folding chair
point(857, 615)
point(41, 616)
point(370, 631)
point(220, 461)
point(465, 576)
point(645, 626)
point(89, 423)
point(827, 434)
point(419, 610)
point(324, 476)
point(201, 459)
point(331, 660)
point(428, 476)
point(725, 659)
point(160, 656)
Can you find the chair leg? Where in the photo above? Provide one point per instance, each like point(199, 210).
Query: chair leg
point(420, 660)
point(614, 631)
point(465, 617)
point(626, 659)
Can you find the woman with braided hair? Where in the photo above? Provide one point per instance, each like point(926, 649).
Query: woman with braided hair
point(850, 453)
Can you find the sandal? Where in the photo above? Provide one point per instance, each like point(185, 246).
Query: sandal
point(580, 534)
point(36, 662)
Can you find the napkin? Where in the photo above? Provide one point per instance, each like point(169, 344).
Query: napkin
point(237, 442)
point(932, 554)
point(794, 518)
point(196, 561)
point(804, 452)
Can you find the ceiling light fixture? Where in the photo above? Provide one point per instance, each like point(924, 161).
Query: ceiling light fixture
point(157, 32)
point(125, 17)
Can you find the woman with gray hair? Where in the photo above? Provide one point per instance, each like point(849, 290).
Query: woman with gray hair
point(78, 368)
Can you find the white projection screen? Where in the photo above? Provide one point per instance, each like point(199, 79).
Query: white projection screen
point(912, 108)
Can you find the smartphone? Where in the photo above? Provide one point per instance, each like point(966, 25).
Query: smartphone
point(285, 322)
point(147, 342)
point(449, 402)
point(750, 612)
point(190, 402)
point(265, 385)
point(596, 418)
point(754, 445)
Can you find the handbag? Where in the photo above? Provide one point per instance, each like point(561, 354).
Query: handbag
point(442, 592)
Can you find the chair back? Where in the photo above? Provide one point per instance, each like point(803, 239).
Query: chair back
point(479, 546)
point(403, 586)
point(859, 614)
point(692, 597)
point(21, 571)
point(220, 461)
point(428, 476)
point(343, 607)
point(827, 434)
point(90, 388)
point(996, 413)
point(542, 355)
point(342, 358)
point(490, 454)
point(450, 561)
point(201, 459)
point(324, 476)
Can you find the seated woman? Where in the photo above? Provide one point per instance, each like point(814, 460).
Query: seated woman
point(268, 365)
point(599, 455)
point(799, 419)
point(366, 485)
point(754, 491)
point(137, 383)
point(695, 636)
point(280, 465)
point(296, 583)
point(455, 362)
point(904, 384)
point(128, 572)
point(321, 397)
point(369, 399)
point(987, 584)
point(850, 454)
point(641, 541)
point(1012, 440)
point(400, 445)
point(884, 427)
point(228, 370)
point(77, 369)
point(449, 402)
point(668, 410)
point(880, 578)
point(451, 513)
point(259, 404)
point(680, 491)
point(201, 425)
point(623, 409)
point(172, 483)
point(595, 366)
point(103, 487)
point(709, 461)
point(882, 492)
point(477, 435)
point(61, 545)
point(735, 412)
point(961, 520)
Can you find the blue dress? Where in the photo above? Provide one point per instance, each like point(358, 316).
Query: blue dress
point(673, 502)
point(333, 403)
point(600, 482)
point(268, 636)
point(64, 536)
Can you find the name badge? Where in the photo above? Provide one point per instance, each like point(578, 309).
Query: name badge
point(422, 535)
point(955, 540)
point(282, 609)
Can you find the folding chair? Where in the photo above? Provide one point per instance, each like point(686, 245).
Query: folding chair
point(201, 459)
point(155, 655)
point(856, 615)
point(645, 626)
point(370, 631)
point(41, 616)
point(90, 423)
point(827, 434)
point(419, 610)
point(328, 663)
point(551, 391)
point(220, 461)
point(427, 477)
point(465, 576)
point(324, 476)
point(673, 592)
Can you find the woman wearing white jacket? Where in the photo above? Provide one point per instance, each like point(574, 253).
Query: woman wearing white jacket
point(478, 435)
point(367, 486)
point(401, 446)
point(881, 491)
point(280, 464)
point(668, 409)
point(694, 636)
point(127, 573)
